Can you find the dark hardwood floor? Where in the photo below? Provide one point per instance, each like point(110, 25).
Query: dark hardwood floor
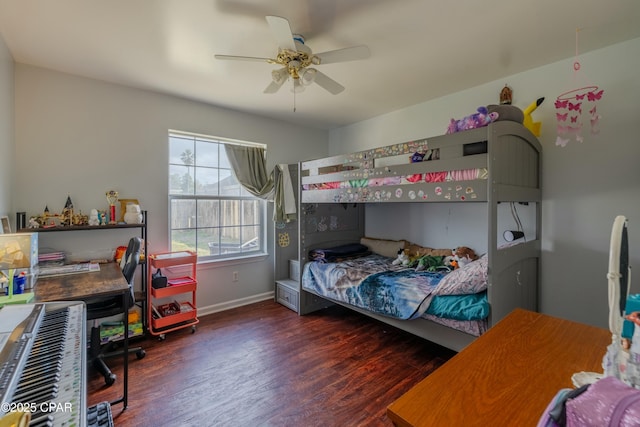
point(263, 365)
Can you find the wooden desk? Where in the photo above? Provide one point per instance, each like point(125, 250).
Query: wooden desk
point(107, 282)
point(507, 376)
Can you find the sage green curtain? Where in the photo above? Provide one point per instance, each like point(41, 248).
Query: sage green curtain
point(250, 168)
point(284, 198)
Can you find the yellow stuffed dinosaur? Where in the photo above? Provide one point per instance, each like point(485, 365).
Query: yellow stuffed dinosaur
point(528, 122)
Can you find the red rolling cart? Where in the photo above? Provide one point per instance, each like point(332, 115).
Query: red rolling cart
point(172, 302)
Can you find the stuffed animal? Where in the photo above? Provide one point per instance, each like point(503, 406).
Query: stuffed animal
point(429, 263)
point(475, 120)
point(403, 258)
point(464, 255)
point(528, 122)
point(449, 263)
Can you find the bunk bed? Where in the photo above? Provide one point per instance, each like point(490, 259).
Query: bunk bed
point(495, 164)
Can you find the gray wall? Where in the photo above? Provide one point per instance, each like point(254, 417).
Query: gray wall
point(585, 185)
point(81, 137)
point(6, 129)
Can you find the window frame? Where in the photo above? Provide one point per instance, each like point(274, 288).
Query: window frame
point(261, 208)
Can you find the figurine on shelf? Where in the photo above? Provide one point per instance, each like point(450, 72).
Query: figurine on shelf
point(66, 218)
point(94, 219)
point(33, 222)
point(80, 219)
point(103, 217)
point(133, 214)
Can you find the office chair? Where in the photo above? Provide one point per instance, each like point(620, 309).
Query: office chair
point(110, 307)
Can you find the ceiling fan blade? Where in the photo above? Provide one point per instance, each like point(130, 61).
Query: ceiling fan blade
point(327, 83)
point(274, 86)
point(282, 32)
point(242, 58)
point(346, 54)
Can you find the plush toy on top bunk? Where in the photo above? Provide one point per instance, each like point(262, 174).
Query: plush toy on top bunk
point(476, 120)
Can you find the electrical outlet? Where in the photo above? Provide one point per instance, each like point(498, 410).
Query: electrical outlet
point(235, 276)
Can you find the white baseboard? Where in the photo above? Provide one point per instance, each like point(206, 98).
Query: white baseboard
point(215, 308)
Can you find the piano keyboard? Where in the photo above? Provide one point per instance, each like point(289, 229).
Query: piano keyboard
point(43, 362)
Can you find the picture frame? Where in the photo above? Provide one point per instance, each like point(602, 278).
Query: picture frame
point(6, 225)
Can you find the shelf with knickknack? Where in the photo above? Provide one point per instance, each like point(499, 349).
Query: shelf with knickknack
point(141, 228)
point(172, 277)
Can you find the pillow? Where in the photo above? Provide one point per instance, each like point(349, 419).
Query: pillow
point(470, 279)
point(417, 250)
point(388, 248)
point(339, 253)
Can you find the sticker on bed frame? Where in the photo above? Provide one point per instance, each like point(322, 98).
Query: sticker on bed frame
point(333, 222)
point(283, 239)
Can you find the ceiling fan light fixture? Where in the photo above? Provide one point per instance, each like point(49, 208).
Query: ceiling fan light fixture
point(307, 76)
point(297, 86)
point(279, 75)
point(295, 58)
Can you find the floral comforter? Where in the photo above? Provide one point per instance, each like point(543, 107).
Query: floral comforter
point(375, 284)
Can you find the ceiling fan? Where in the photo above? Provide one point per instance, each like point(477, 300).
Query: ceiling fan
point(296, 60)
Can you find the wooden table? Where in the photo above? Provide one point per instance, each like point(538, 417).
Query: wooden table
point(91, 286)
point(507, 376)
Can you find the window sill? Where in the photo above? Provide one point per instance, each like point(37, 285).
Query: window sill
point(248, 259)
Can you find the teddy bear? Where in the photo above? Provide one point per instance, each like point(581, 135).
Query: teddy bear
point(463, 255)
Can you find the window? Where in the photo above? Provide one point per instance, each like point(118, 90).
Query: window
point(209, 211)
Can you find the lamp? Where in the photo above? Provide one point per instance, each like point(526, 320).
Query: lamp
point(511, 235)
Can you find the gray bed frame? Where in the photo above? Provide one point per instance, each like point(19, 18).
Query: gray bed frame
point(512, 158)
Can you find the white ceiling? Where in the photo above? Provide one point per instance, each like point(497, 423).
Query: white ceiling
point(420, 49)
